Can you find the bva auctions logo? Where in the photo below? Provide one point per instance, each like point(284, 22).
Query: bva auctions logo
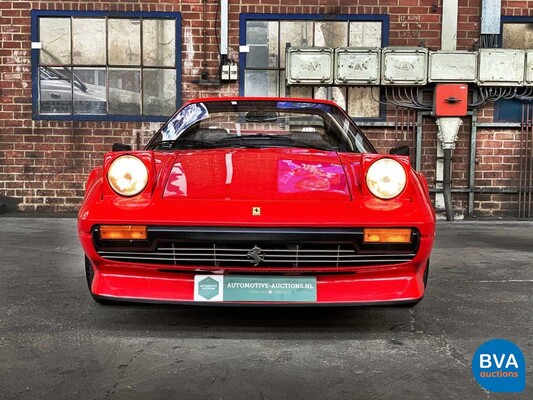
point(499, 366)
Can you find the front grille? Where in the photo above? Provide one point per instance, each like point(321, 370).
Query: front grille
point(255, 248)
point(217, 255)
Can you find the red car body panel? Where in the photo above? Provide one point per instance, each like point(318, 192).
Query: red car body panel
point(293, 187)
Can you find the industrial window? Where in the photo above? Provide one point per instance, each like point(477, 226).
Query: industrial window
point(517, 33)
point(266, 37)
point(94, 65)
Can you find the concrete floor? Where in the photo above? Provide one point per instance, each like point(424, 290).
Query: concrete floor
point(56, 343)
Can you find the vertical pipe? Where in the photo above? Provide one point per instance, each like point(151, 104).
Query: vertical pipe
point(224, 27)
point(395, 125)
point(491, 17)
point(418, 150)
point(526, 164)
point(472, 166)
point(448, 41)
point(402, 123)
point(450, 11)
point(412, 128)
point(446, 184)
point(530, 135)
point(521, 163)
point(413, 137)
point(408, 126)
point(204, 46)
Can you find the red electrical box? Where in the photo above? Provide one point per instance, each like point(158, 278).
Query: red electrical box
point(450, 100)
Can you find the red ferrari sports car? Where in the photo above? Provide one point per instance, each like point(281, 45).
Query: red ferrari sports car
point(253, 201)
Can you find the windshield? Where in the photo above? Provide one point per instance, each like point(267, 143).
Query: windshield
point(260, 124)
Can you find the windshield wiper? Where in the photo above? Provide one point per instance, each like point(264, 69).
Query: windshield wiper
point(247, 141)
point(191, 144)
point(272, 139)
point(180, 144)
point(162, 144)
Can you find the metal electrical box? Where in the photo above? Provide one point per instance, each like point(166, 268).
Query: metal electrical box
point(357, 66)
point(501, 67)
point(529, 67)
point(452, 66)
point(404, 66)
point(450, 100)
point(491, 17)
point(309, 66)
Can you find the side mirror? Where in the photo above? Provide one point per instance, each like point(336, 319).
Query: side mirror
point(121, 147)
point(400, 151)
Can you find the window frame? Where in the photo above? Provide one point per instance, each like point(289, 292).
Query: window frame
point(36, 14)
point(383, 18)
point(506, 110)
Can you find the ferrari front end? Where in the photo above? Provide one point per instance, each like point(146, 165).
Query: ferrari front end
point(267, 219)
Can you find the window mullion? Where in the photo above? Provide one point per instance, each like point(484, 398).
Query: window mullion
point(71, 70)
point(141, 67)
point(107, 65)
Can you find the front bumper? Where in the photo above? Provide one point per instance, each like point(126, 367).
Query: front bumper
point(375, 284)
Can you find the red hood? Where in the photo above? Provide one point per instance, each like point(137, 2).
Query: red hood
point(249, 174)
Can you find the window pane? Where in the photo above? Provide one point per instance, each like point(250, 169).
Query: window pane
point(124, 91)
point(55, 96)
point(90, 92)
point(124, 41)
point(361, 103)
point(305, 92)
point(159, 91)
point(294, 91)
point(88, 41)
point(282, 89)
point(159, 46)
point(335, 94)
point(365, 34)
point(261, 83)
point(514, 36)
point(331, 34)
point(262, 37)
point(518, 36)
point(297, 33)
point(54, 34)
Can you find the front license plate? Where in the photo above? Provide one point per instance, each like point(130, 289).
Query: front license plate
point(292, 289)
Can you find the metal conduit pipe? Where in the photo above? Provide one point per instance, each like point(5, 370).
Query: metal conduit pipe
point(448, 129)
point(447, 184)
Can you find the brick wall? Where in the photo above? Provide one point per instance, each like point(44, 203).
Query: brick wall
point(43, 164)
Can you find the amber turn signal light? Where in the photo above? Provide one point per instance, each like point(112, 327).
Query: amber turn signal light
point(123, 232)
point(387, 235)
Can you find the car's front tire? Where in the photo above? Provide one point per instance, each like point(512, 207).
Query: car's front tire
point(89, 274)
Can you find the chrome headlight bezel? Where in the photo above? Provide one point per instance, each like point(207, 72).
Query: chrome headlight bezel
point(127, 175)
point(386, 178)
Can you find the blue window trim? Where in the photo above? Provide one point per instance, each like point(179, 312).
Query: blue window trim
point(36, 14)
point(383, 18)
point(509, 110)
